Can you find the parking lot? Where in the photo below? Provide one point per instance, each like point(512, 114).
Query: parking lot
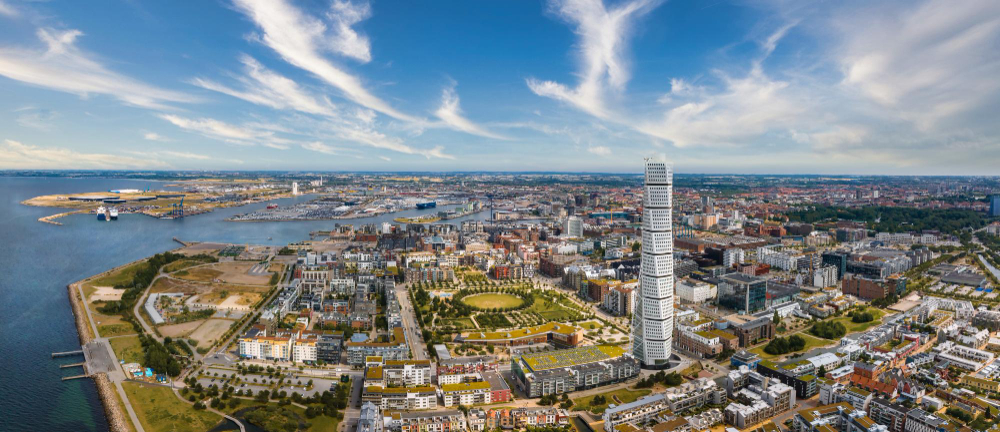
point(293, 383)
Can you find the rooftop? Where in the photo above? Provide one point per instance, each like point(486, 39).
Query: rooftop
point(571, 357)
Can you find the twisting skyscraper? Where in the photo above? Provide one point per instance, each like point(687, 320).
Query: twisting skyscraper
point(653, 319)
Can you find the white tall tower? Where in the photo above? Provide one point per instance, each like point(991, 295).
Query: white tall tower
point(653, 320)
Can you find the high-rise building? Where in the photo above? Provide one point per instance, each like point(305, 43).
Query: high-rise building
point(995, 206)
point(573, 227)
point(653, 319)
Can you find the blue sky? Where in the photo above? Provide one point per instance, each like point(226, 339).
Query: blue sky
point(769, 86)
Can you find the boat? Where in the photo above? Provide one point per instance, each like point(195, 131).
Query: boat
point(426, 205)
point(113, 213)
point(272, 206)
point(102, 213)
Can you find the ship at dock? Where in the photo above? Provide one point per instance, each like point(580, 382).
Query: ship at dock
point(113, 213)
point(426, 205)
point(102, 213)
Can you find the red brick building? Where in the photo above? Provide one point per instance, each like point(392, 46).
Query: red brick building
point(863, 288)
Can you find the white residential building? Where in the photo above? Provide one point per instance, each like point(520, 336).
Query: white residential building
point(652, 323)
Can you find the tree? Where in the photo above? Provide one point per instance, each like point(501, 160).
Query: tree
point(822, 371)
point(776, 318)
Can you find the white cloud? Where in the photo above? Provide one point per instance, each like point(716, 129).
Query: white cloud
point(319, 147)
point(743, 110)
point(603, 37)
point(600, 150)
point(36, 118)
point(184, 155)
point(451, 114)
point(6, 10)
point(315, 131)
point(15, 155)
point(261, 86)
point(345, 40)
point(300, 40)
point(62, 66)
point(217, 129)
point(926, 63)
point(153, 136)
point(385, 158)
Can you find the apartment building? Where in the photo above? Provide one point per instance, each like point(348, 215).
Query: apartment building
point(401, 398)
point(407, 373)
point(637, 412)
point(434, 421)
point(394, 349)
point(562, 371)
point(298, 346)
point(467, 393)
point(519, 418)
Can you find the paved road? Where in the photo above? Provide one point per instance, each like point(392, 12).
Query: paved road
point(410, 327)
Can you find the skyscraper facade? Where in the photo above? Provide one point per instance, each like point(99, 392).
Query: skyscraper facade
point(653, 319)
point(995, 206)
point(573, 227)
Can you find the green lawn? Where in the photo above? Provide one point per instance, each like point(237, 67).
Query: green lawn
point(624, 396)
point(115, 329)
point(457, 322)
point(493, 300)
point(550, 309)
point(318, 423)
point(811, 342)
point(121, 276)
point(853, 327)
point(127, 348)
point(159, 410)
point(181, 264)
point(591, 325)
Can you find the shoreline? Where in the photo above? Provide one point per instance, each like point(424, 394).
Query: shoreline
point(113, 410)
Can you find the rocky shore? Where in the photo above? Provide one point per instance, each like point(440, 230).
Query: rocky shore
point(112, 409)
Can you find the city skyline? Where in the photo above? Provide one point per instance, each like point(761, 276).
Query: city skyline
point(550, 86)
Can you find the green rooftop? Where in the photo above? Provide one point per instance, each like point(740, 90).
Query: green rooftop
point(571, 357)
point(477, 385)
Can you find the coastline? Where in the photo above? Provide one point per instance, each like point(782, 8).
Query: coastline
point(112, 410)
point(105, 389)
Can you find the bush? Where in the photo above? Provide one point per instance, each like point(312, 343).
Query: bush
point(780, 345)
point(828, 330)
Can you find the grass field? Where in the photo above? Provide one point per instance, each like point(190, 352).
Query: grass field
point(457, 322)
point(550, 309)
point(115, 329)
point(200, 274)
point(853, 327)
point(811, 342)
point(493, 300)
point(179, 265)
point(624, 396)
point(159, 410)
point(122, 276)
point(127, 348)
point(591, 325)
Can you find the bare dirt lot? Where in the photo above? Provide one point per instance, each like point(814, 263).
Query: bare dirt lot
point(234, 272)
point(202, 248)
point(210, 331)
point(105, 294)
point(180, 330)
